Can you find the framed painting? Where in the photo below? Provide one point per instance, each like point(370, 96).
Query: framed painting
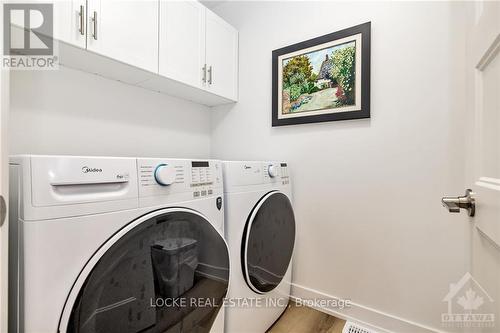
point(323, 79)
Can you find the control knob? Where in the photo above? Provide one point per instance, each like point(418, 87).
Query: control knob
point(164, 174)
point(272, 171)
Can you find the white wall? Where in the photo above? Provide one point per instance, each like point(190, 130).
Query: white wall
point(75, 113)
point(367, 193)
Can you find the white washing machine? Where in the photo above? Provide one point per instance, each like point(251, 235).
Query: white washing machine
point(107, 244)
point(260, 231)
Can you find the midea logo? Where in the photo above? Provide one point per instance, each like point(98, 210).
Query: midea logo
point(86, 169)
point(246, 167)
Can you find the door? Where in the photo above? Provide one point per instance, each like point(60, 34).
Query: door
point(125, 30)
point(70, 22)
point(268, 241)
point(132, 281)
point(221, 57)
point(182, 41)
point(4, 185)
point(483, 61)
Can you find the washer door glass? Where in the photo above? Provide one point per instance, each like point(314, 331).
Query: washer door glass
point(268, 242)
point(167, 274)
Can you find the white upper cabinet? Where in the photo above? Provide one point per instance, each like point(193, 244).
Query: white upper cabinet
point(177, 47)
point(70, 22)
point(182, 41)
point(198, 48)
point(221, 57)
point(125, 30)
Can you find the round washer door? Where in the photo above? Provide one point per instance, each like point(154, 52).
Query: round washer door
point(150, 276)
point(268, 241)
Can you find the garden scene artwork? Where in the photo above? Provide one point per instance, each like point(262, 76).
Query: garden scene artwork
point(324, 79)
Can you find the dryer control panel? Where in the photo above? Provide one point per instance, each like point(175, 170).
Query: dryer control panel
point(238, 173)
point(199, 178)
point(275, 172)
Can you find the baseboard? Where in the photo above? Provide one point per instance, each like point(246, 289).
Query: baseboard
point(366, 316)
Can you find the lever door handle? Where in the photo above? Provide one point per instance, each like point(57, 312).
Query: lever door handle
point(454, 204)
point(3, 210)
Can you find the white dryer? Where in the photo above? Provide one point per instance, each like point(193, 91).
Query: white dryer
point(260, 231)
point(107, 244)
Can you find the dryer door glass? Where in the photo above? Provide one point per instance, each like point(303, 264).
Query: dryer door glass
point(268, 242)
point(169, 273)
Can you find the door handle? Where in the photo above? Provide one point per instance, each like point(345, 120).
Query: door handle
point(3, 210)
point(210, 73)
point(204, 73)
point(94, 22)
point(454, 204)
point(81, 14)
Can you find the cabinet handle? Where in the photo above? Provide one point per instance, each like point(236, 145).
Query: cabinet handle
point(94, 21)
point(210, 73)
point(204, 74)
point(82, 20)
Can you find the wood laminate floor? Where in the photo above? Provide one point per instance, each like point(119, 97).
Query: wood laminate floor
point(301, 319)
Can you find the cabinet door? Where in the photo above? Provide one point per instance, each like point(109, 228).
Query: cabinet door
point(182, 41)
point(70, 21)
point(221, 56)
point(125, 30)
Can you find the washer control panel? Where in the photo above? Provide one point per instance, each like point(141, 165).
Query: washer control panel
point(168, 176)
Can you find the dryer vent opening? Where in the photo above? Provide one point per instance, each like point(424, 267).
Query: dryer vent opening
point(351, 327)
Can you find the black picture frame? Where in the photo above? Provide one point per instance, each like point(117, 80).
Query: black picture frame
point(363, 112)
